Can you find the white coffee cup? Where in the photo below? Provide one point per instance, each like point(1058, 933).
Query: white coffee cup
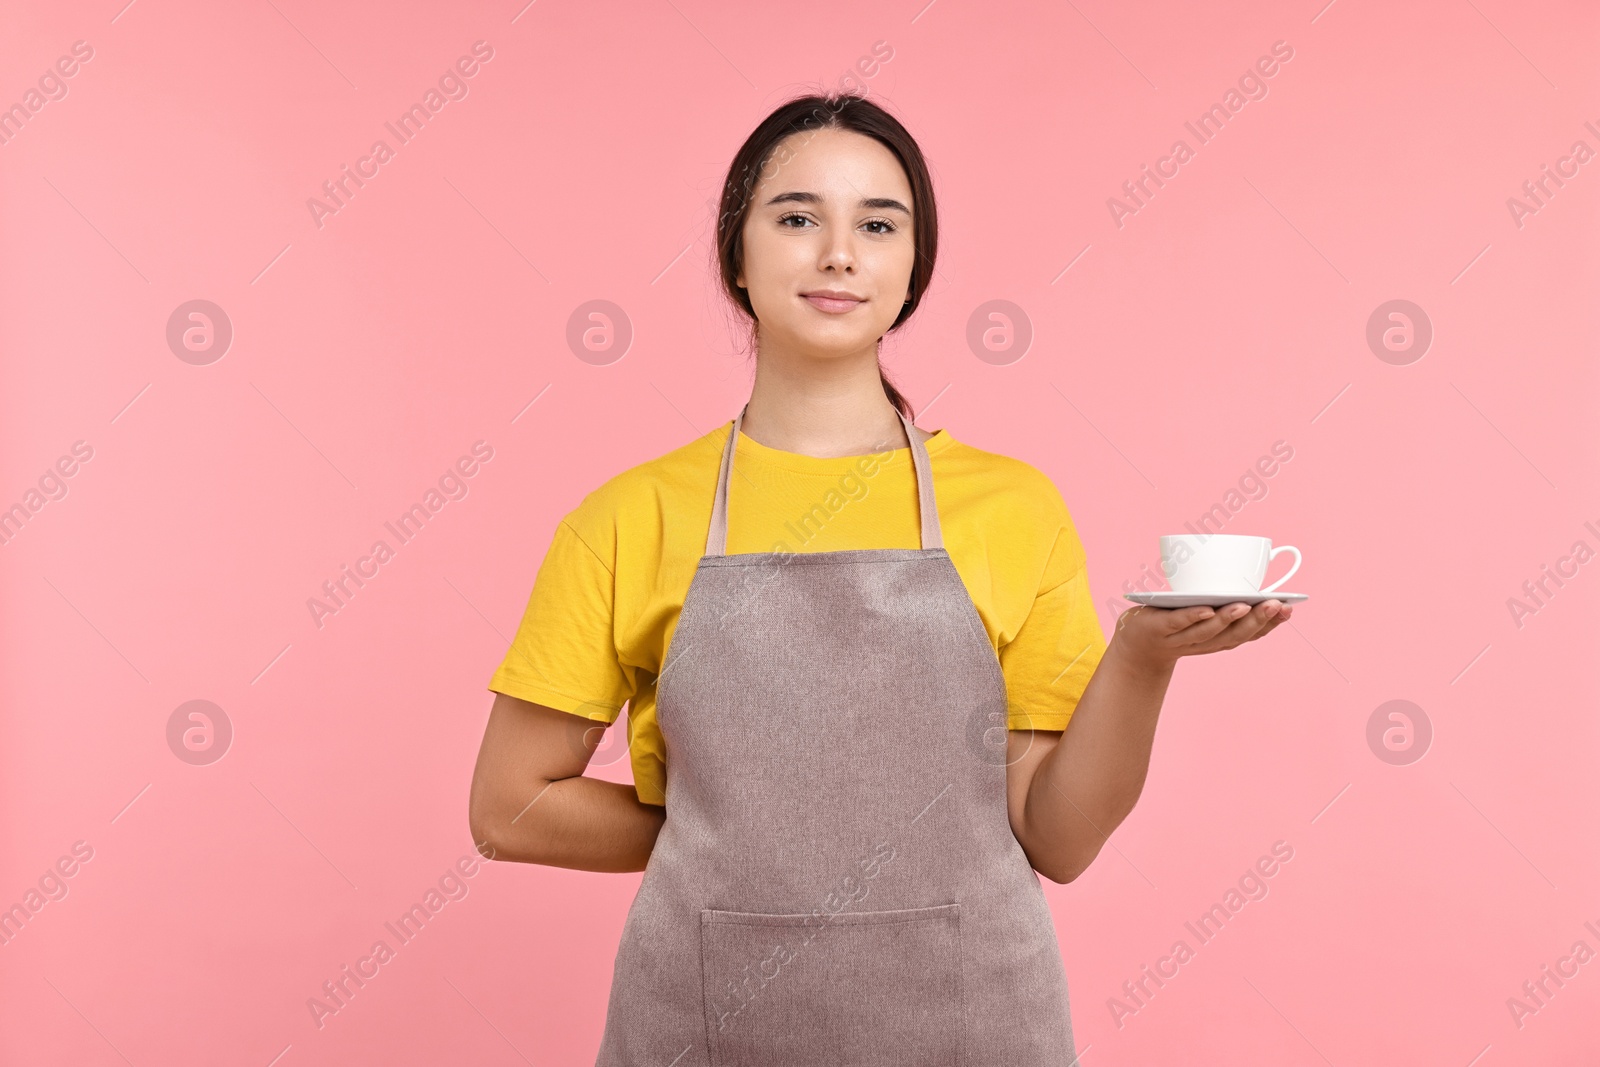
point(1221, 563)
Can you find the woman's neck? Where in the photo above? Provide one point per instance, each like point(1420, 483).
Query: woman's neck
point(842, 413)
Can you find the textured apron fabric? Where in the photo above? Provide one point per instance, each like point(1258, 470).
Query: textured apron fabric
point(836, 881)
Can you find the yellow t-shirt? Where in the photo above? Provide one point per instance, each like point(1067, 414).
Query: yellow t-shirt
point(607, 596)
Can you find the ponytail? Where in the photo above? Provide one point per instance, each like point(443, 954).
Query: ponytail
point(901, 404)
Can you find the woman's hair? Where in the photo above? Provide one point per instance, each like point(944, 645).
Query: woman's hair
point(836, 111)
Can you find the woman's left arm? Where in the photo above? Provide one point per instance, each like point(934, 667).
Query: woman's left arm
point(1068, 790)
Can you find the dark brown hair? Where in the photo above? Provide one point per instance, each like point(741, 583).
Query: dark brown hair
point(835, 111)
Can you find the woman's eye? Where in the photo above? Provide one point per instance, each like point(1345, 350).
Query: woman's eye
point(785, 220)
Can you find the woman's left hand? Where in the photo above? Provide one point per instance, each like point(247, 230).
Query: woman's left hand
point(1159, 636)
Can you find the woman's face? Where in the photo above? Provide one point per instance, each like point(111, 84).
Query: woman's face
point(830, 211)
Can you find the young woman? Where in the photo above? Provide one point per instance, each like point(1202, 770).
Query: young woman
point(850, 650)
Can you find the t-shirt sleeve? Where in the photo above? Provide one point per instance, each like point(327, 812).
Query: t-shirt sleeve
point(1049, 663)
point(564, 653)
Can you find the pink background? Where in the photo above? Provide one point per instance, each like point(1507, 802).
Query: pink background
point(1168, 355)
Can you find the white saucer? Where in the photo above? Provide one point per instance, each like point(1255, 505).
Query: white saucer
point(1169, 599)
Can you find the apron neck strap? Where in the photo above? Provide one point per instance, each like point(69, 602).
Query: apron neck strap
point(717, 536)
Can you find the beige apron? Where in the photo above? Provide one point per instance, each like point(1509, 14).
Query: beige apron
point(836, 882)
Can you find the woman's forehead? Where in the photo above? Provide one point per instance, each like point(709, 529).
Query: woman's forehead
point(838, 165)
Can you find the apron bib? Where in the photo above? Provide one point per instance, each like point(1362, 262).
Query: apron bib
point(836, 882)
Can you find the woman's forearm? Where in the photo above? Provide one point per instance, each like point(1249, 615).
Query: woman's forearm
point(582, 823)
point(1092, 778)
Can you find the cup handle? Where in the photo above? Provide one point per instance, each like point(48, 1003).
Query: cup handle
point(1274, 555)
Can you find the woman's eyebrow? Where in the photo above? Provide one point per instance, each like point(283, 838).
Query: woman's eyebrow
point(877, 203)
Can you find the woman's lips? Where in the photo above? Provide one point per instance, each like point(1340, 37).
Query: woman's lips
point(834, 306)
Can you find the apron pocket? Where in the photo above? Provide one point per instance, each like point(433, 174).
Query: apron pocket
point(868, 988)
